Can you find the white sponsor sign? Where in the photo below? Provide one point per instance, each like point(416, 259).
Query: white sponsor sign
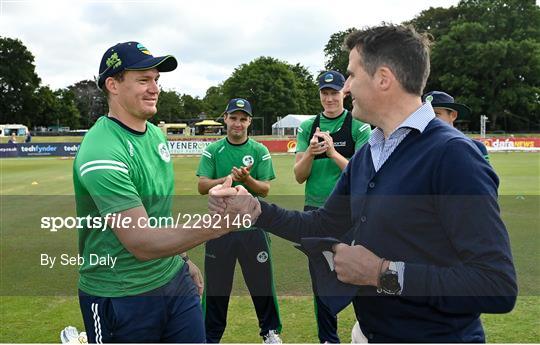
point(188, 147)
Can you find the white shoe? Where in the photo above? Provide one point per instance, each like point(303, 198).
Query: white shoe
point(70, 335)
point(272, 338)
point(357, 335)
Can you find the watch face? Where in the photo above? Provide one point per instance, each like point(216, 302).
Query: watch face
point(390, 282)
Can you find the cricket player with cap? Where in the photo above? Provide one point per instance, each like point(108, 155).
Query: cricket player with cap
point(324, 146)
point(248, 163)
point(448, 111)
point(124, 169)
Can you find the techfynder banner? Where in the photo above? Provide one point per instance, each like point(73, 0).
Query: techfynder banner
point(39, 150)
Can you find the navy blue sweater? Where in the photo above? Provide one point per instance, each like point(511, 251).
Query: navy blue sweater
point(433, 205)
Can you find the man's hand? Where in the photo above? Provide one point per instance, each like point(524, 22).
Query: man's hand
point(218, 194)
point(196, 275)
point(217, 204)
point(357, 265)
point(328, 142)
point(243, 204)
point(226, 200)
point(240, 174)
point(315, 147)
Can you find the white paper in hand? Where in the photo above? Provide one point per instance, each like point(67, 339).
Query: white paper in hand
point(329, 256)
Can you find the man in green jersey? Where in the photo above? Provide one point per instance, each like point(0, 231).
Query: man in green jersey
point(123, 175)
point(324, 146)
point(250, 165)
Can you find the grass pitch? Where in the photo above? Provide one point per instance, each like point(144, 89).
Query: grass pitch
point(35, 304)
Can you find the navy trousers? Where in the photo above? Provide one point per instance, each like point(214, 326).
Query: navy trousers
point(326, 320)
point(252, 250)
point(169, 314)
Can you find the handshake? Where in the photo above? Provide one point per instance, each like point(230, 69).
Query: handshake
point(230, 202)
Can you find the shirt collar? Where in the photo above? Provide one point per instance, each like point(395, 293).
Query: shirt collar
point(418, 120)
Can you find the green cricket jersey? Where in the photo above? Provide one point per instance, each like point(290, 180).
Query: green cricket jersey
point(325, 172)
point(117, 169)
point(220, 157)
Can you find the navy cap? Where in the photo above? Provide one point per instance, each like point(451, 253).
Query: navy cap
point(439, 99)
point(331, 79)
point(239, 104)
point(131, 56)
point(332, 292)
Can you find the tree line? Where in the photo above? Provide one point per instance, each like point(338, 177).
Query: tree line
point(485, 52)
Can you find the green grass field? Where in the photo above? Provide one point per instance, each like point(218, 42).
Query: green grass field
point(36, 303)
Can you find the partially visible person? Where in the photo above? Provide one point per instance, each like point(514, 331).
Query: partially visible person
point(28, 137)
point(13, 138)
point(324, 146)
point(250, 165)
point(447, 110)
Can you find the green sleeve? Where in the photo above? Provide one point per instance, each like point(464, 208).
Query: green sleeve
point(108, 181)
point(302, 139)
point(265, 168)
point(361, 135)
point(207, 164)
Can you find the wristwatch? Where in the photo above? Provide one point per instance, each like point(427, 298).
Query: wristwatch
point(185, 258)
point(389, 282)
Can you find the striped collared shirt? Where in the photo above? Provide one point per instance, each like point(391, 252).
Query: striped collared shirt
point(382, 148)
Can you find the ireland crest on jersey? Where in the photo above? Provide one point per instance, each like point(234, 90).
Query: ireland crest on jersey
point(248, 160)
point(164, 153)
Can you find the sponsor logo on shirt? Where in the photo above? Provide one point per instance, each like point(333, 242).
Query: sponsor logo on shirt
point(164, 152)
point(340, 144)
point(131, 151)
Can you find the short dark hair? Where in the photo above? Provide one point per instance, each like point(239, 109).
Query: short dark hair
point(118, 77)
point(399, 47)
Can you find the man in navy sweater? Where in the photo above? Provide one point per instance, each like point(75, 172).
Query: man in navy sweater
point(431, 252)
